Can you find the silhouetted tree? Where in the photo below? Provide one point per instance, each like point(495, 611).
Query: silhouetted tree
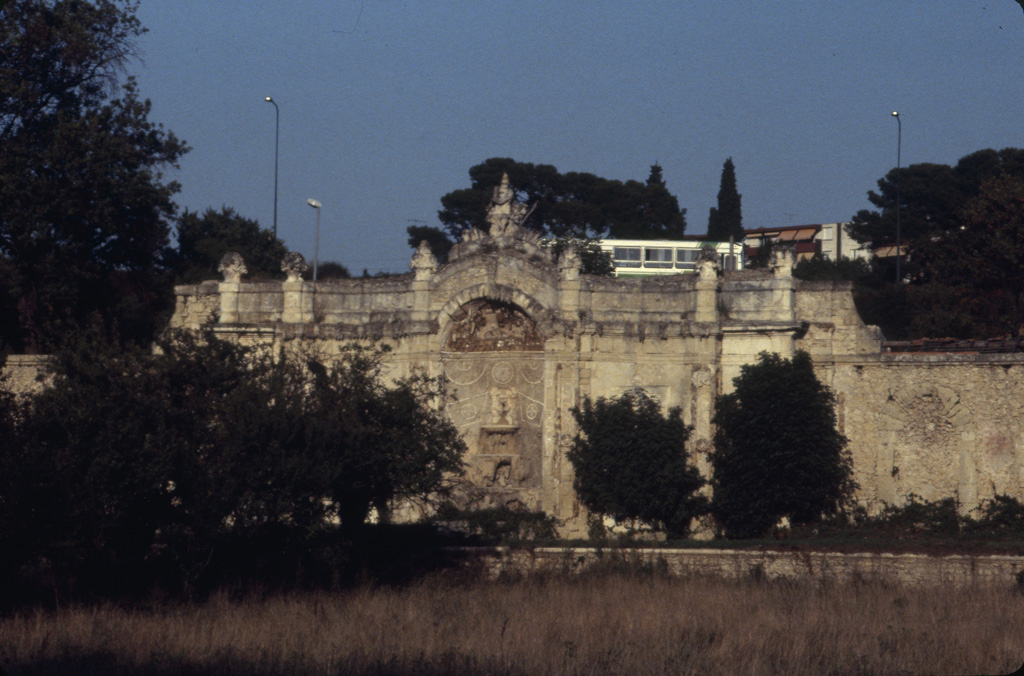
point(573, 204)
point(726, 220)
point(84, 211)
point(332, 270)
point(777, 450)
point(133, 468)
point(959, 226)
point(631, 462)
point(203, 241)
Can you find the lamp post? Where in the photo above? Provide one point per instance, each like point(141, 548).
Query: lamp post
point(316, 247)
point(899, 143)
point(277, 136)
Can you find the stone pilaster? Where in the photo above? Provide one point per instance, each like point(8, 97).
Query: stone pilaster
point(424, 267)
point(707, 290)
point(298, 302)
point(232, 266)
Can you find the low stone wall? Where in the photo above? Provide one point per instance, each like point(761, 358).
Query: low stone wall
point(24, 373)
point(903, 569)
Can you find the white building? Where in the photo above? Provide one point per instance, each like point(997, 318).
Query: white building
point(646, 258)
point(831, 240)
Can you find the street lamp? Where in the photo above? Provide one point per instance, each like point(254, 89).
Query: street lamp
point(277, 136)
point(899, 143)
point(316, 248)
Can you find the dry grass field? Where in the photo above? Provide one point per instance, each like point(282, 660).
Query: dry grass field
point(594, 625)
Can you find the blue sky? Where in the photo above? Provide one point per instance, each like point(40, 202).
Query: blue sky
point(385, 105)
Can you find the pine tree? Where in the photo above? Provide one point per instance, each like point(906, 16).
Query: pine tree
point(727, 220)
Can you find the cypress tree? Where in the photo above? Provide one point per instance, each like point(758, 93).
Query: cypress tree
point(727, 219)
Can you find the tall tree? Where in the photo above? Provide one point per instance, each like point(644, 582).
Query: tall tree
point(931, 197)
point(954, 289)
point(203, 241)
point(982, 261)
point(726, 220)
point(84, 211)
point(132, 464)
point(777, 450)
point(659, 214)
point(631, 463)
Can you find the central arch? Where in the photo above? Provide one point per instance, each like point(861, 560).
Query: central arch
point(493, 357)
point(485, 325)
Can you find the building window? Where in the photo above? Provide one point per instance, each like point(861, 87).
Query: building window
point(626, 257)
point(686, 259)
point(657, 258)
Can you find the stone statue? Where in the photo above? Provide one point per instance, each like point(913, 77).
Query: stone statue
point(707, 263)
point(505, 214)
point(232, 266)
point(783, 260)
point(293, 265)
point(569, 263)
point(423, 263)
point(503, 405)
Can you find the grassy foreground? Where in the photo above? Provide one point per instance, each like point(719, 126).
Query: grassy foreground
point(594, 625)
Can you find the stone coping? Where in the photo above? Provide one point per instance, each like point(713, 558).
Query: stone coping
point(1003, 570)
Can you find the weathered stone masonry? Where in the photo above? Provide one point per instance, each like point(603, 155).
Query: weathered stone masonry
point(522, 337)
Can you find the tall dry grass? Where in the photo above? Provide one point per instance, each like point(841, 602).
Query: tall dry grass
point(599, 625)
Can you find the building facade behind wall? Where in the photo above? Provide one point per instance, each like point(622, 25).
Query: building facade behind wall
point(521, 338)
point(829, 240)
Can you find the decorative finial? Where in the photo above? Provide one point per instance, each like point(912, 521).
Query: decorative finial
point(503, 193)
point(232, 266)
point(505, 214)
point(707, 263)
point(293, 265)
point(424, 263)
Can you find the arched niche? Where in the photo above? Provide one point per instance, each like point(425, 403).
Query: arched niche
point(493, 356)
point(487, 325)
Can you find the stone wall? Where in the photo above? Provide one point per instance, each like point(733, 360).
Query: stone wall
point(24, 373)
point(522, 338)
point(743, 564)
point(936, 425)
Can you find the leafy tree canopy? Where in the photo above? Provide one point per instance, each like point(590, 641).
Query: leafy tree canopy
point(203, 241)
point(333, 270)
point(820, 268)
point(960, 227)
point(982, 260)
point(570, 204)
point(631, 462)
point(931, 197)
point(84, 211)
point(777, 450)
point(133, 466)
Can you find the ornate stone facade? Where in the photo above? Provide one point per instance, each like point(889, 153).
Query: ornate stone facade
point(521, 338)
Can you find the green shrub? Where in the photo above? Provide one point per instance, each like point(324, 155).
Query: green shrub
point(777, 450)
point(498, 524)
point(631, 463)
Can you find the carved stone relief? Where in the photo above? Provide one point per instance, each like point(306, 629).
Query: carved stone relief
point(232, 266)
point(498, 381)
point(928, 421)
point(491, 326)
point(503, 405)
